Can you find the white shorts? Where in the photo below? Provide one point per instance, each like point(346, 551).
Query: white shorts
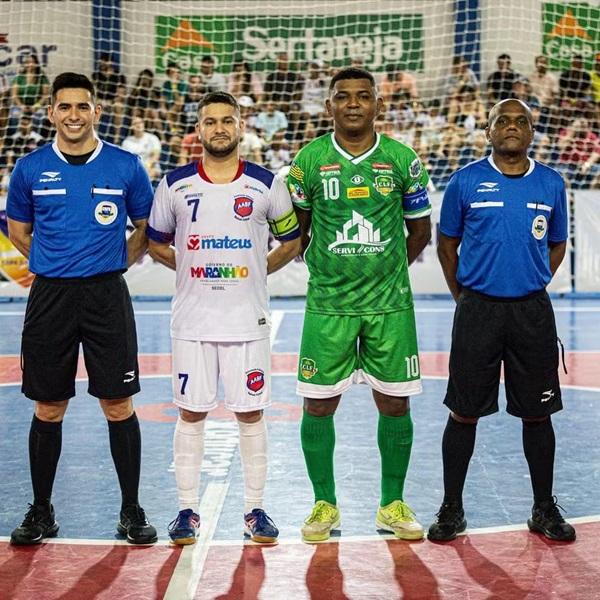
point(244, 369)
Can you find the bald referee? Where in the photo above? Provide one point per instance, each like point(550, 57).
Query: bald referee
point(508, 215)
point(67, 208)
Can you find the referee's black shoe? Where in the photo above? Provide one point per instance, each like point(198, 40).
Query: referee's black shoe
point(39, 523)
point(546, 519)
point(449, 523)
point(134, 525)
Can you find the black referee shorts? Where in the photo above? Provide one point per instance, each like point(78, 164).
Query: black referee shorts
point(62, 313)
point(521, 333)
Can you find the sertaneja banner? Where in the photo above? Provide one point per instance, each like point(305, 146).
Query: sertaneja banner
point(378, 39)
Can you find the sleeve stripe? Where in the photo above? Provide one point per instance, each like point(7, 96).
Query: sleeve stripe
point(418, 214)
point(159, 236)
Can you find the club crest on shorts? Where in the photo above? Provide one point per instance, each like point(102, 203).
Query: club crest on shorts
point(308, 368)
point(539, 227)
point(255, 381)
point(106, 212)
point(242, 207)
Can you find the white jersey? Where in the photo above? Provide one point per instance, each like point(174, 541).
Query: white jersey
point(221, 235)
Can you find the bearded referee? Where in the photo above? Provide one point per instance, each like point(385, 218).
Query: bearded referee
point(508, 214)
point(67, 208)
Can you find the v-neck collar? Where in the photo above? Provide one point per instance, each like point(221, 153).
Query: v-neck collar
point(355, 159)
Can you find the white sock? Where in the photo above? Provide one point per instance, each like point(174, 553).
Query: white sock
point(188, 452)
point(253, 452)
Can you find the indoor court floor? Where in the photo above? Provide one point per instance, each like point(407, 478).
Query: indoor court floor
point(498, 558)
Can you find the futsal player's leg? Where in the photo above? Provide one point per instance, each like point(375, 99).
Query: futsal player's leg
point(246, 376)
point(327, 364)
point(195, 381)
point(389, 363)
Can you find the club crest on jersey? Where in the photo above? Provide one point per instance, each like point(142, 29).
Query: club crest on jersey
point(193, 242)
point(308, 368)
point(415, 168)
point(106, 212)
point(242, 207)
point(539, 227)
point(384, 184)
point(255, 381)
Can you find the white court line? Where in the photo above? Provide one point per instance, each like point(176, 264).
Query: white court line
point(297, 540)
point(187, 572)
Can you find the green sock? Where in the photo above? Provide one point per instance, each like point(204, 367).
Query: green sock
point(318, 442)
point(394, 437)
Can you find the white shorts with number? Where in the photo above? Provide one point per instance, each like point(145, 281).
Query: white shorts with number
point(244, 369)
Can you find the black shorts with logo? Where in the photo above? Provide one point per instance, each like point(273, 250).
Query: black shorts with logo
point(521, 333)
point(62, 313)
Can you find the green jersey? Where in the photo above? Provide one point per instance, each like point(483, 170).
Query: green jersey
point(357, 255)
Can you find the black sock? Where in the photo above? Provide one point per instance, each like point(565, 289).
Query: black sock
point(126, 450)
point(539, 445)
point(45, 442)
point(457, 448)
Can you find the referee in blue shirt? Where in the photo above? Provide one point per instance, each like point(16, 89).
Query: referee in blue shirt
point(508, 215)
point(67, 209)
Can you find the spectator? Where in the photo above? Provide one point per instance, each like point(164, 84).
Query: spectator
point(467, 112)
point(172, 154)
point(243, 82)
point(544, 84)
point(278, 152)
point(191, 148)
point(251, 146)
point(521, 90)
point(579, 153)
point(499, 83)
point(144, 94)
point(4, 103)
point(247, 111)
point(29, 94)
point(23, 141)
point(106, 79)
point(146, 145)
point(432, 122)
point(195, 91)
point(595, 80)
point(575, 83)
point(397, 86)
point(112, 126)
point(269, 121)
point(173, 88)
point(213, 81)
point(461, 75)
point(283, 85)
point(314, 91)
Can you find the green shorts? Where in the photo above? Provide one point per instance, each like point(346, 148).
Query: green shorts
point(339, 350)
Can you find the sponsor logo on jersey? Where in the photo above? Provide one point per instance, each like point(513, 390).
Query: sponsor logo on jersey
point(332, 169)
point(242, 207)
point(308, 368)
point(382, 166)
point(185, 186)
point(358, 237)
point(193, 242)
point(384, 184)
point(415, 168)
point(539, 227)
point(296, 172)
point(106, 212)
point(296, 191)
point(193, 196)
point(488, 186)
point(50, 177)
point(219, 272)
point(226, 243)
point(255, 381)
point(254, 189)
point(357, 192)
point(357, 179)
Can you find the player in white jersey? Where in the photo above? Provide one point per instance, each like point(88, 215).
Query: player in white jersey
point(218, 213)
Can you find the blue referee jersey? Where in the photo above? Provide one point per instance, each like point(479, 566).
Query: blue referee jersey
point(505, 224)
point(79, 212)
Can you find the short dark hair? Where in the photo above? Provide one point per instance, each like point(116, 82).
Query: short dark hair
point(208, 58)
point(503, 57)
point(218, 98)
point(351, 73)
point(70, 80)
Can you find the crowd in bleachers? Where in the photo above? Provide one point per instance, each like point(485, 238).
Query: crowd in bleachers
point(285, 109)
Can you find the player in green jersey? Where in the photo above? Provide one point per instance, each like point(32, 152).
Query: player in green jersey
point(356, 191)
